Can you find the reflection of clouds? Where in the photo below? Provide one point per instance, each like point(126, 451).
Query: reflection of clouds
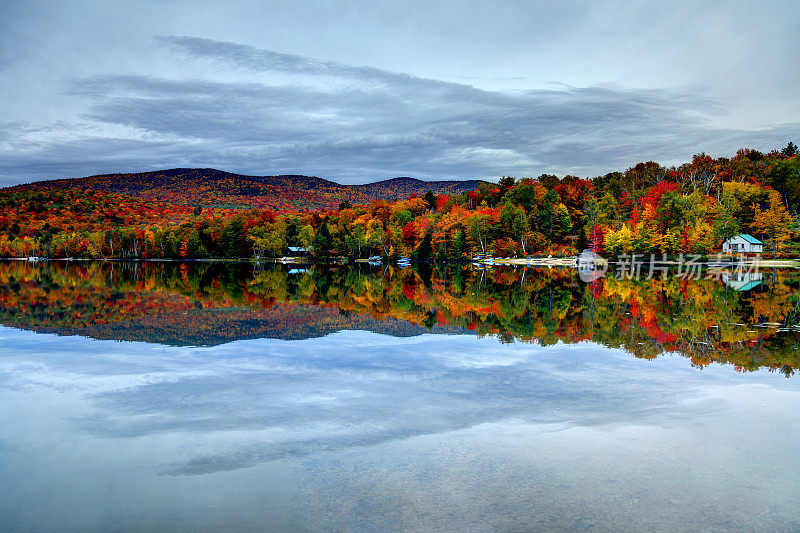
point(286, 399)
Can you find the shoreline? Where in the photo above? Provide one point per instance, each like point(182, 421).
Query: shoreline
point(571, 262)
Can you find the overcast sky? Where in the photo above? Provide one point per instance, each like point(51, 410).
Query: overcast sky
point(356, 91)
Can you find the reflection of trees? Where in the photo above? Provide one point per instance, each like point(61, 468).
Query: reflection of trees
point(703, 320)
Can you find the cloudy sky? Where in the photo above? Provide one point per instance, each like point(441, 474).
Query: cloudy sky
point(356, 91)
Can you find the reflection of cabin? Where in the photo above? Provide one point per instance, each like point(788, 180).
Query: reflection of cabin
point(590, 266)
point(586, 259)
point(742, 244)
point(742, 281)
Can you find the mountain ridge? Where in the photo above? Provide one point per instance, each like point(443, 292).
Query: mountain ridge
point(209, 187)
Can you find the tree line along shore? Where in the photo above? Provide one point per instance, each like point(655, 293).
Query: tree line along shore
point(647, 209)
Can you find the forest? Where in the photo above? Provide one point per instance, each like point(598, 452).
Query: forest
point(648, 208)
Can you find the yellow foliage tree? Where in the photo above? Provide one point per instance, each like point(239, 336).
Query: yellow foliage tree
point(775, 223)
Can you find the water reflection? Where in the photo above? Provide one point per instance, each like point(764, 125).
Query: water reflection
point(367, 432)
point(250, 402)
point(750, 323)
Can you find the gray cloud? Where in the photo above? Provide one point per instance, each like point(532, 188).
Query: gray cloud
point(270, 61)
point(404, 124)
point(255, 110)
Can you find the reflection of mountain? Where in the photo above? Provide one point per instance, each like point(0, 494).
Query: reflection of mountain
point(214, 303)
point(214, 326)
point(75, 300)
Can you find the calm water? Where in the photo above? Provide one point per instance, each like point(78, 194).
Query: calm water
point(201, 397)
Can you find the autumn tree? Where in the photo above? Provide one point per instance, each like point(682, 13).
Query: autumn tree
point(774, 223)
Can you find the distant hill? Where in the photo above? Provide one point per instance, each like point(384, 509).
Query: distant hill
point(209, 187)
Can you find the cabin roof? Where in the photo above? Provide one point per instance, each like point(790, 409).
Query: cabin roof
point(746, 237)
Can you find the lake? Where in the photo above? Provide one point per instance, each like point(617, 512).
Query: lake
point(203, 396)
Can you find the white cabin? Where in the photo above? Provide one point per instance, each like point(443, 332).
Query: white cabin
point(742, 244)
